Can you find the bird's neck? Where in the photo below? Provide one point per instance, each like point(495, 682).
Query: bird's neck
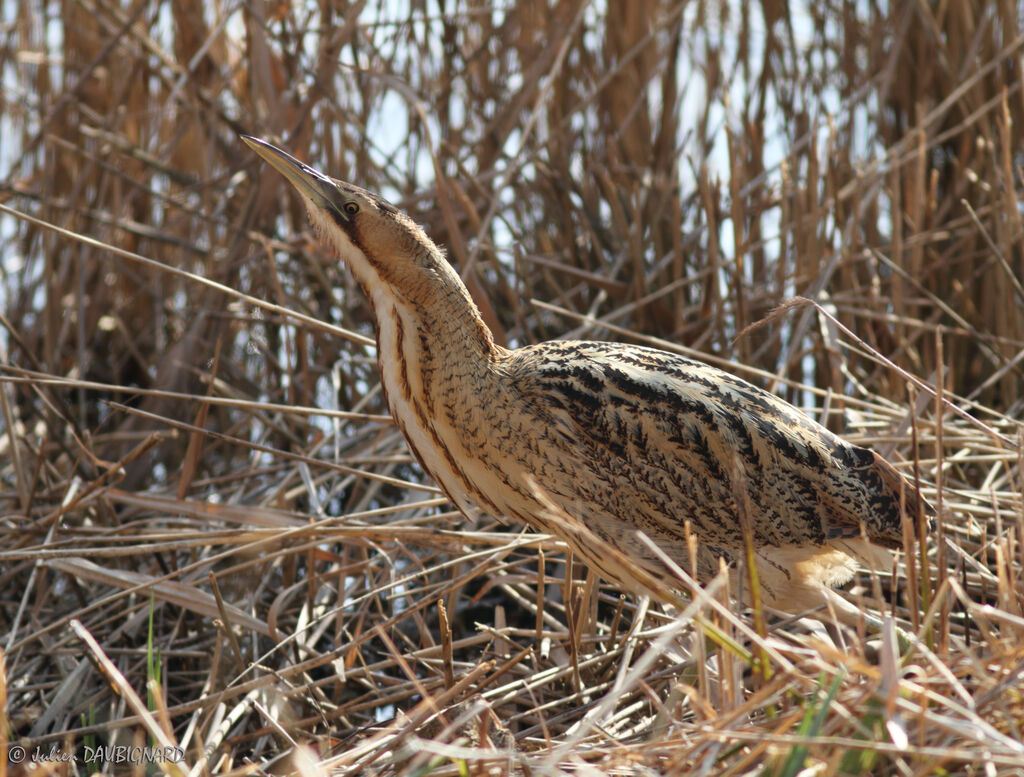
point(437, 364)
point(429, 330)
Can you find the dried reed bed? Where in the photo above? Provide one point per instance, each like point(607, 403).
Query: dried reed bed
point(214, 539)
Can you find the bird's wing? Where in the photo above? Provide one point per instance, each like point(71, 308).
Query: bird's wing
point(679, 440)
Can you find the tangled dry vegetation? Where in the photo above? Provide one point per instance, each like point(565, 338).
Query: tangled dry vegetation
point(213, 537)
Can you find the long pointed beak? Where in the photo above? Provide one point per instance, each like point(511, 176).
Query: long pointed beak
point(312, 183)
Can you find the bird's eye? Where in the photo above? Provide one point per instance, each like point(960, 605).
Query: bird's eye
point(351, 208)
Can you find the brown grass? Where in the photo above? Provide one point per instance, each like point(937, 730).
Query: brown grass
point(214, 539)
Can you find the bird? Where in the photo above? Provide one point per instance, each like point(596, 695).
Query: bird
point(637, 447)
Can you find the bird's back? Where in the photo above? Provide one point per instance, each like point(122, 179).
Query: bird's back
point(648, 440)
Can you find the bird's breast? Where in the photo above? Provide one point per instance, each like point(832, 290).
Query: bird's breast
point(446, 408)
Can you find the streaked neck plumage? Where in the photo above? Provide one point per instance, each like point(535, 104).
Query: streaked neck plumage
point(411, 288)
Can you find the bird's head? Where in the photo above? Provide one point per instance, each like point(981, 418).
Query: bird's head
point(389, 254)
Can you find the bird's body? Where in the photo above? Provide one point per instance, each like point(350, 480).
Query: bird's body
point(616, 439)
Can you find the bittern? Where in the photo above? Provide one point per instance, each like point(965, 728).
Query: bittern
point(618, 439)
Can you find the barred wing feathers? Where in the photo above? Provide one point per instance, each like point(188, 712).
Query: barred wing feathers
point(671, 436)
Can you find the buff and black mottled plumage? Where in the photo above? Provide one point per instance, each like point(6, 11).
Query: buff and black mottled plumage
point(620, 438)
